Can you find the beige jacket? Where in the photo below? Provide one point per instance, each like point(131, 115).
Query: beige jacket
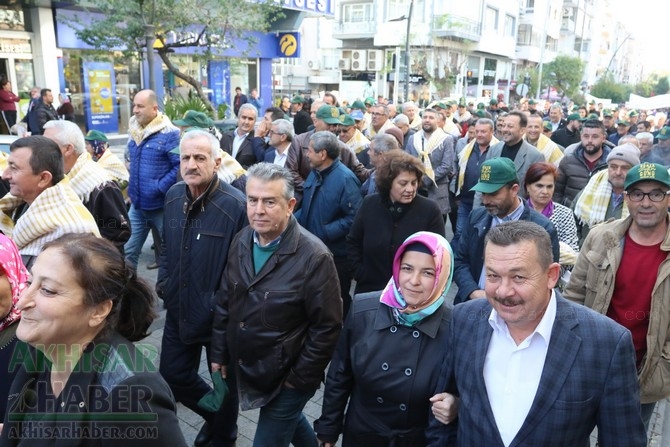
point(592, 284)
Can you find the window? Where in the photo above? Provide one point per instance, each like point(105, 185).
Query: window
point(490, 67)
point(357, 12)
point(524, 36)
point(397, 8)
point(491, 19)
point(530, 5)
point(510, 25)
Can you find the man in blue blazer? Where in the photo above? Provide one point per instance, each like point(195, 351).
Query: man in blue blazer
point(531, 368)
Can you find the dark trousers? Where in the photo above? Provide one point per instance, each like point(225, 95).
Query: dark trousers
point(179, 367)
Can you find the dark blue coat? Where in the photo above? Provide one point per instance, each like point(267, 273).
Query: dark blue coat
point(469, 257)
point(197, 235)
point(331, 198)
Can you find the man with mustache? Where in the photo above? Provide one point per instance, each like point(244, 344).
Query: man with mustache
point(202, 215)
point(530, 367)
point(499, 187)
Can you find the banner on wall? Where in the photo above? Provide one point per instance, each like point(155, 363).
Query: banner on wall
point(219, 82)
point(100, 105)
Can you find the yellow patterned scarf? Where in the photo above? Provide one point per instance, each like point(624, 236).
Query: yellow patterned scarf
point(114, 166)
point(139, 133)
point(463, 158)
point(358, 142)
point(230, 169)
point(591, 207)
point(86, 175)
point(552, 153)
point(425, 148)
point(55, 212)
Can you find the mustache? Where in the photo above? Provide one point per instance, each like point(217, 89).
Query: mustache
point(507, 301)
point(191, 172)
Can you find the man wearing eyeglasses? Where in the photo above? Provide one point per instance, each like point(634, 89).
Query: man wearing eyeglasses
point(380, 120)
point(623, 271)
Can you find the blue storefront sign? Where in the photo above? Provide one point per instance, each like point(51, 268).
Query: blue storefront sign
point(100, 105)
point(289, 44)
point(219, 81)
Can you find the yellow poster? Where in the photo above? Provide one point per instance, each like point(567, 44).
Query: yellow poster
point(100, 88)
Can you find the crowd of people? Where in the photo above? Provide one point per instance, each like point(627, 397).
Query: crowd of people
point(262, 234)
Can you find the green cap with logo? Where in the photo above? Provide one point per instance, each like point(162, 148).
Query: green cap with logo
point(347, 120)
point(297, 100)
point(193, 118)
point(494, 174)
point(461, 102)
point(664, 133)
point(592, 116)
point(531, 102)
point(481, 106)
point(440, 105)
point(574, 116)
point(328, 114)
point(646, 172)
point(608, 112)
point(369, 101)
point(358, 104)
point(547, 125)
point(493, 102)
point(480, 113)
point(95, 135)
point(632, 113)
point(622, 123)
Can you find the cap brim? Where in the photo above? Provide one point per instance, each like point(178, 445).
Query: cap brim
point(181, 123)
point(487, 188)
point(332, 121)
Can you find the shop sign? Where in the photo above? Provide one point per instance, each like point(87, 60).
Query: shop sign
point(12, 19)
point(319, 6)
point(100, 105)
point(15, 46)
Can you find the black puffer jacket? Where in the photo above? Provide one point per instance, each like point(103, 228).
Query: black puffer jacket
point(197, 235)
point(282, 324)
point(574, 174)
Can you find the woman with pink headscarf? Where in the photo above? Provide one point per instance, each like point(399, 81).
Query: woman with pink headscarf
point(390, 351)
point(13, 277)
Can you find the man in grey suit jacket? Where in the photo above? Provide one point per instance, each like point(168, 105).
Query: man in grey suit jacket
point(530, 367)
point(514, 147)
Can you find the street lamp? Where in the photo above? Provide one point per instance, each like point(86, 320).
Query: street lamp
point(628, 37)
point(289, 78)
point(408, 17)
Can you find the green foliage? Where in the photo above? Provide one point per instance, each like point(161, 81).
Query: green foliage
point(662, 87)
point(210, 25)
point(568, 72)
point(606, 87)
point(175, 107)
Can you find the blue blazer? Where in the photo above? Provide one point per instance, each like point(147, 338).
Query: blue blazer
point(589, 380)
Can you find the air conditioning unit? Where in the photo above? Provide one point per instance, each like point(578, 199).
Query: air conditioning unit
point(314, 65)
point(567, 13)
point(344, 64)
point(375, 60)
point(358, 59)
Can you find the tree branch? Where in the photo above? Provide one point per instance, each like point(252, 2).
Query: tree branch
point(163, 53)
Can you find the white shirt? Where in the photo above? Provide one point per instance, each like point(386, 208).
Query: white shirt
point(280, 159)
point(237, 142)
point(512, 372)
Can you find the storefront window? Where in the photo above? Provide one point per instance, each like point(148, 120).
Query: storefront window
point(126, 76)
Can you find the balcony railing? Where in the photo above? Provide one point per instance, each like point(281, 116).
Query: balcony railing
point(354, 29)
point(457, 27)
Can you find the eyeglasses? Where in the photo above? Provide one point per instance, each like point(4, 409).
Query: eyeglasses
point(270, 132)
point(638, 196)
point(343, 130)
point(377, 114)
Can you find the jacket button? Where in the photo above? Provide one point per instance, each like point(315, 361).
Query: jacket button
point(385, 366)
point(403, 407)
point(380, 400)
point(81, 404)
point(394, 329)
point(408, 371)
point(185, 247)
point(242, 324)
point(240, 362)
point(415, 334)
point(251, 289)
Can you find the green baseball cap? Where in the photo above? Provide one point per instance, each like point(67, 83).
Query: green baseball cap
point(461, 102)
point(328, 114)
point(622, 123)
point(647, 172)
point(96, 135)
point(633, 113)
point(592, 116)
point(664, 133)
point(607, 113)
point(547, 125)
point(480, 113)
point(369, 101)
point(574, 116)
point(347, 120)
point(531, 102)
point(481, 106)
point(297, 100)
point(358, 104)
point(493, 102)
point(440, 105)
point(494, 174)
point(193, 118)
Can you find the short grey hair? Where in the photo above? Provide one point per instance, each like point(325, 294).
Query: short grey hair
point(487, 122)
point(384, 142)
point(268, 172)
point(510, 233)
point(401, 119)
point(68, 133)
point(214, 144)
point(249, 107)
point(645, 136)
point(285, 128)
point(327, 141)
point(407, 105)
